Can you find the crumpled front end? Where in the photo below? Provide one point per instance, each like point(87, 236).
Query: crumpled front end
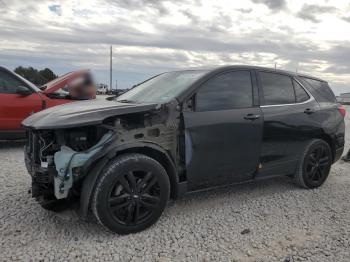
point(57, 160)
point(64, 161)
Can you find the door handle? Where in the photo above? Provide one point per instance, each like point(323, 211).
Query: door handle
point(251, 117)
point(309, 111)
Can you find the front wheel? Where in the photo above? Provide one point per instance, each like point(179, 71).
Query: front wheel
point(315, 165)
point(131, 193)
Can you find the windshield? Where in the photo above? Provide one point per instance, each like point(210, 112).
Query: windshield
point(162, 88)
point(34, 87)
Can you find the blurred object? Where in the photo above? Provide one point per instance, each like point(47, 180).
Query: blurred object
point(19, 98)
point(77, 85)
point(344, 99)
point(82, 87)
point(101, 89)
point(346, 158)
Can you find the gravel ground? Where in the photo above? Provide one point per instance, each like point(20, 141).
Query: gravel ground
point(270, 220)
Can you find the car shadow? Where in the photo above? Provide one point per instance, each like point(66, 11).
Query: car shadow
point(226, 197)
point(247, 190)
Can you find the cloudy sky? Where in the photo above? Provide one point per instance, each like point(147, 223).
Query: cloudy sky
point(151, 36)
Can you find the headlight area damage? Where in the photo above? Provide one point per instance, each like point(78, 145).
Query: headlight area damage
point(69, 163)
point(65, 162)
point(58, 160)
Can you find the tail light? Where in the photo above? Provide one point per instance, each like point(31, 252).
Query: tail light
point(342, 110)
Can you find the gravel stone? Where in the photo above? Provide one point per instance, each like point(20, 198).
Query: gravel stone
point(286, 223)
point(245, 231)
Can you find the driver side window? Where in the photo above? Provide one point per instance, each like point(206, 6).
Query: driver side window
point(8, 83)
point(227, 91)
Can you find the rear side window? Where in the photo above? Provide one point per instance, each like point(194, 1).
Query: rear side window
point(277, 89)
point(300, 94)
point(8, 83)
point(320, 90)
point(226, 91)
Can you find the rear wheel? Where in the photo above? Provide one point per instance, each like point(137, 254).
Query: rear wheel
point(315, 165)
point(131, 193)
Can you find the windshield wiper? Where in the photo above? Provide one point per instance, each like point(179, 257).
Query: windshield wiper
point(125, 101)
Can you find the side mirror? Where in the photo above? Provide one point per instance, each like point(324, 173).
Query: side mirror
point(189, 104)
point(23, 91)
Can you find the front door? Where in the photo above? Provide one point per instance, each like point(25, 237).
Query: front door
point(223, 131)
point(15, 107)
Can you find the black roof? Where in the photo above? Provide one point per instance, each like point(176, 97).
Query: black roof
point(228, 67)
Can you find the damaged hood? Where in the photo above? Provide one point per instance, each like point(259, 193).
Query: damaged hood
point(83, 113)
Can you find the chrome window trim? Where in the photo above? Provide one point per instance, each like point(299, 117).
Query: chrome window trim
point(311, 98)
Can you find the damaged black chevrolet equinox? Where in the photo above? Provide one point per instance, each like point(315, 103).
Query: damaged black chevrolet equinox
point(180, 132)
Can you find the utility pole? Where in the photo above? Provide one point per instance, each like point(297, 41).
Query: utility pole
point(275, 65)
point(110, 70)
point(116, 85)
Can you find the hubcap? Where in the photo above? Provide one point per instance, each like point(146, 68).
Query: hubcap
point(134, 197)
point(317, 164)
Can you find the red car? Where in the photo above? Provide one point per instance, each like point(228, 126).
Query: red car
point(20, 98)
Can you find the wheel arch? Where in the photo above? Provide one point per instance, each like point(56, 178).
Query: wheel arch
point(330, 141)
point(149, 149)
point(162, 157)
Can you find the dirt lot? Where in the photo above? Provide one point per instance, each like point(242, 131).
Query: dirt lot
point(272, 220)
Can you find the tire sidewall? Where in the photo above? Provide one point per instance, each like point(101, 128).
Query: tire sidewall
point(314, 144)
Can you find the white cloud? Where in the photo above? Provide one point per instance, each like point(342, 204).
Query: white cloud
point(151, 36)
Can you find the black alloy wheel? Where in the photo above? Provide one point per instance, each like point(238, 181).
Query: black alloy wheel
point(134, 197)
point(316, 165)
point(131, 193)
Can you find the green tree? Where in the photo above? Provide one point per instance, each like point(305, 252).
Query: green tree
point(36, 77)
point(48, 74)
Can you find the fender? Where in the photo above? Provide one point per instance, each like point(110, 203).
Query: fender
point(111, 152)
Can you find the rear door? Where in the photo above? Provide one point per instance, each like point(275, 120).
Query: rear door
point(14, 107)
point(290, 121)
point(223, 131)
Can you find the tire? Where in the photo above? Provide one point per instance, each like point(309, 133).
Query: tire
point(315, 165)
point(131, 193)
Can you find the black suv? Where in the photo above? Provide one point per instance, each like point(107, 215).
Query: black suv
point(179, 132)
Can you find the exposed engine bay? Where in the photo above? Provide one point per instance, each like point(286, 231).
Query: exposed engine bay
point(54, 158)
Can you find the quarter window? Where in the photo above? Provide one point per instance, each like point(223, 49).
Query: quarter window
point(320, 90)
point(278, 89)
point(300, 93)
point(226, 91)
point(8, 83)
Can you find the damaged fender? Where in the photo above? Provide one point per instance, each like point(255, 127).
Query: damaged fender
point(67, 159)
point(88, 185)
